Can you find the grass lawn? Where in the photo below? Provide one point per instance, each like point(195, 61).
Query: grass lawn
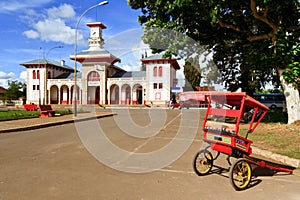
point(17, 114)
point(21, 114)
point(275, 135)
point(277, 138)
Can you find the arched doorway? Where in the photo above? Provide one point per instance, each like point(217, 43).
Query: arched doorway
point(93, 95)
point(126, 94)
point(54, 94)
point(137, 94)
point(114, 94)
point(93, 92)
point(64, 94)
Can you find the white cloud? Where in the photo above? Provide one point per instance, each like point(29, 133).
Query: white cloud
point(30, 16)
point(52, 27)
point(5, 77)
point(31, 34)
point(23, 76)
point(55, 30)
point(3, 83)
point(130, 66)
point(20, 5)
point(64, 11)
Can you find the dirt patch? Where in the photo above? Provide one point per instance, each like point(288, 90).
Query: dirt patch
point(297, 123)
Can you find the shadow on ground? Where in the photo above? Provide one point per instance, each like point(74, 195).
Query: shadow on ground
point(267, 169)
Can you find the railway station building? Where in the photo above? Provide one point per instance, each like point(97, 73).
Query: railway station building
point(100, 80)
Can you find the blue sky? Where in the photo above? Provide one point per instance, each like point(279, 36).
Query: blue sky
point(30, 28)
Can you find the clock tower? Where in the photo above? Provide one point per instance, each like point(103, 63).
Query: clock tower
point(95, 39)
point(96, 64)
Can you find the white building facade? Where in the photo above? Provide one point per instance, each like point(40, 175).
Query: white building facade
point(100, 81)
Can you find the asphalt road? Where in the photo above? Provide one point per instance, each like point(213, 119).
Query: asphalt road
point(136, 154)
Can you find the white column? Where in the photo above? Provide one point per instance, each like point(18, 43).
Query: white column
point(131, 94)
point(108, 94)
point(70, 94)
point(59, 96)
point(48, 100)
point(120, 95)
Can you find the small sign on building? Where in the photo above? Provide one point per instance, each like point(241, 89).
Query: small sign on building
point(93, 83)
point(176, 89)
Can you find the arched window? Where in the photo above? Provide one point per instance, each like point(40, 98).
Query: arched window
point(93, 76)
point(33, 74)
point(38, 74)
point(155, 71)
point(160, 71)
point(49, 75)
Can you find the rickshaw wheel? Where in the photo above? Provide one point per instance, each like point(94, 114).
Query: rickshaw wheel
point(240, 174)
point(203, 162)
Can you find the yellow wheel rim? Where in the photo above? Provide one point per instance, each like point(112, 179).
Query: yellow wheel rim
point(203, 163)
point(241, 174)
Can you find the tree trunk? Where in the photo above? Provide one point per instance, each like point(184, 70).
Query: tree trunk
point(292, 99)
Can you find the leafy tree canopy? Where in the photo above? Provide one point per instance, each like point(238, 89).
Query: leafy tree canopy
point(15, 90)
point(192, 74)
point(249, 39)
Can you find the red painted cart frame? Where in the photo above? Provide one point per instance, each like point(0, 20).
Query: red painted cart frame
point(223, 136)
point(221, 130)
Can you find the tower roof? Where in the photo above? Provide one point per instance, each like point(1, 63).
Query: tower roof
point(159, 57)
point(96, 24)
point(95, 55)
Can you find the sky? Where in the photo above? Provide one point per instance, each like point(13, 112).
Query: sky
point(32, 29)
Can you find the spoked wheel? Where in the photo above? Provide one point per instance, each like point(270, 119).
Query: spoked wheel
point(240, 174)
point(203, 162)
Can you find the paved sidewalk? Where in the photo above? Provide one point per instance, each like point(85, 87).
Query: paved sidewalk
point(33, 123)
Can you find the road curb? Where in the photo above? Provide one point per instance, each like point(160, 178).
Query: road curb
point(57, 123)
point(281, 158)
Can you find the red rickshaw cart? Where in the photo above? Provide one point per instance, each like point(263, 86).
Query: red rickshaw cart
point(221, 132)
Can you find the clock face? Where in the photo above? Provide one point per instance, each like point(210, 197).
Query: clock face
point(94, 33)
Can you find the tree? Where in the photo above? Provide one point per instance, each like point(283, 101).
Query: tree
point(143, 66)
point(15, 90)
point(192, 75)
point(253, 41)
point(292, 73)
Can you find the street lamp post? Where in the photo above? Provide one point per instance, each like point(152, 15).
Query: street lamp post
point(45, 74)
point(38, 76)
point(75, 52)
point(52, 49)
